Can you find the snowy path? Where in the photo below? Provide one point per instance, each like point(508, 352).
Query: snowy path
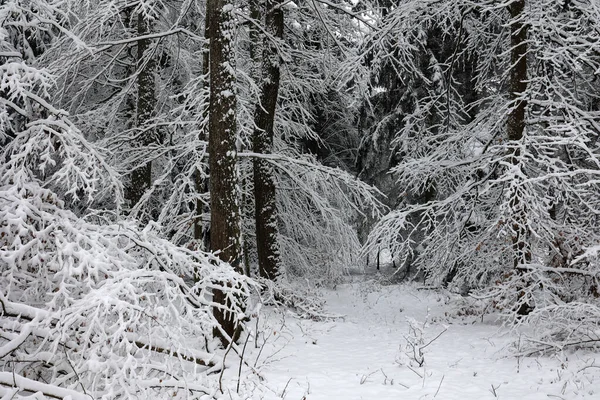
point(360, 357)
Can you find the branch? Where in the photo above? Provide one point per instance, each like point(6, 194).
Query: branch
point(29, 385)
point(434, 339)
point(10, 54)
point(12, 309)
point(17, 341)
point(106, 45)
point(350, 13)
point(558, 270)
point(163, 350)
point(326, 26)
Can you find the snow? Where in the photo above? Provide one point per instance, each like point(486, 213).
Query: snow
point(364, 355)
point(29, 385)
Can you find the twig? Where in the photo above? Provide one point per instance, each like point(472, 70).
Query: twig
point(231, 342)
point(434, 339)
point(385, 378)
point(256, 330)
point(285, 388)
point(364, 378)
point(439, 386)
point(418, 374)
point(266, 338)
point(237, 389)
point(493, 390)
point(588, 366)
point(76, 374)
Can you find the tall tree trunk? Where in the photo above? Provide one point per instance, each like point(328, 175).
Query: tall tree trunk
point(518, 72)
point(201, 231)
point(141, 178)
point(515, 127)
point(224, 207)
point(264, 176)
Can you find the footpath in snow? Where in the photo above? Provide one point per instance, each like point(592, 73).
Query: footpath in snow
point(372, 353)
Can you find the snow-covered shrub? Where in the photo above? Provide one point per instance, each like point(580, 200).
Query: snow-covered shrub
point(412, 352)
point(102, 309)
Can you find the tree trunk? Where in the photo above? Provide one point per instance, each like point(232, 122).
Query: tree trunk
point(515, 127)
point(141, 178)
point(264, 176)
point(224, 207)
point(518, 73)
point(516, 119)
point(201, 231)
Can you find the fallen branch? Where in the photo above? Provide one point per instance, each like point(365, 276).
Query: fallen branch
point(18, 310)
point(29, 385)
point(173, 353)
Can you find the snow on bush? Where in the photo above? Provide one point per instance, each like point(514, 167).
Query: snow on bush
point(106, 310)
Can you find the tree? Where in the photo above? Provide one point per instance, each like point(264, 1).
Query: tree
point(141, 178)
point(514, 169)
point(90, 305)
point(515, 127)
point(317, 206)
point(264, 175)
point(201, 229)
point(145, 130)
point(224, 203)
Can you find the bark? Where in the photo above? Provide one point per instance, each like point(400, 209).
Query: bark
point(224, 206)
point(264, 179)
point(141, 178)
point(515, 127)
point(201, 231)
point(518, 72)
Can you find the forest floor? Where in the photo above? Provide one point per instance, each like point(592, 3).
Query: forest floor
point(367, 353)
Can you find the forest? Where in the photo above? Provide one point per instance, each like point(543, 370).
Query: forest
point(182, 179)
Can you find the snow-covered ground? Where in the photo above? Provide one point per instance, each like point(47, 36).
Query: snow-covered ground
point(367, 354)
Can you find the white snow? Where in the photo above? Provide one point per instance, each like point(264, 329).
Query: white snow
point(365, 355)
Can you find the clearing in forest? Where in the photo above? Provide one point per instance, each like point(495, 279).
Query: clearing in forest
point(403, 342)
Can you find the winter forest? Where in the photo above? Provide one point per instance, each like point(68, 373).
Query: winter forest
point(308, 199)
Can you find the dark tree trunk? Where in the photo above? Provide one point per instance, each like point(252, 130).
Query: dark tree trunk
point(518, 73)
point(516, 119)
point(201, 231)
point(224, 207)
point(264, 179)
point(141, 178)
point(515, 128)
